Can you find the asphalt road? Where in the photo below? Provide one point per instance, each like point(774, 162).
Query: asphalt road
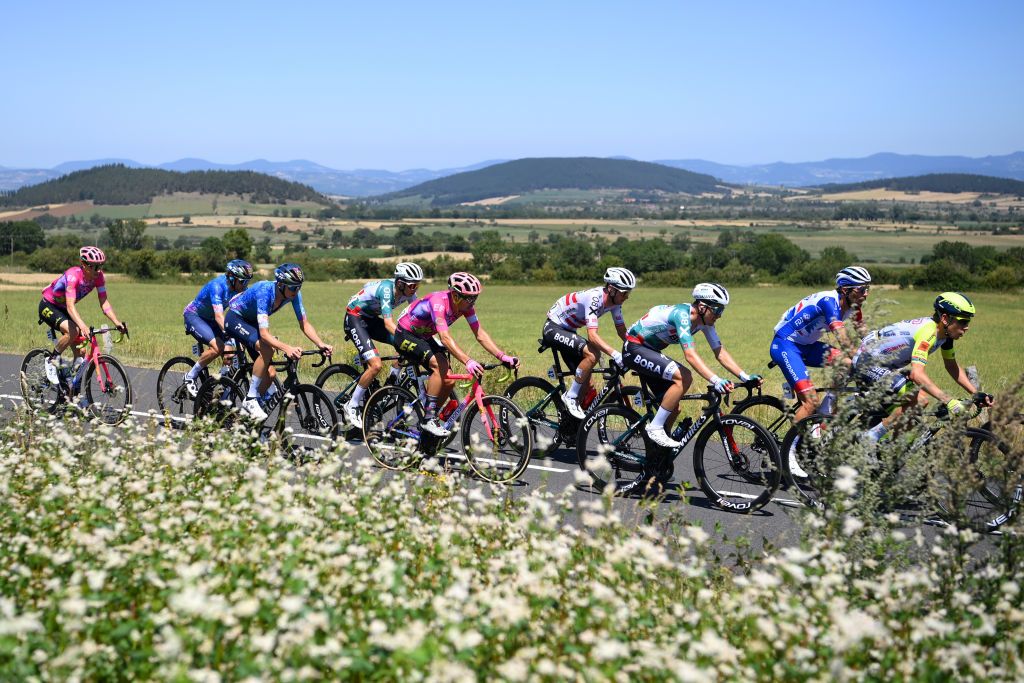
point(684, 499)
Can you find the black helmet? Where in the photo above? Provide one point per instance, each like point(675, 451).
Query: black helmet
point(239, 269)
point(289, 274)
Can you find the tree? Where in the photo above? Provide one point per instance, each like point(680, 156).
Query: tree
point(261, 253)
point(24, 236)
point(237, 243)
point(214, 253)
point(127, 235)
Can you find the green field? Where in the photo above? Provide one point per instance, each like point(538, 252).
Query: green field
point(514, 316)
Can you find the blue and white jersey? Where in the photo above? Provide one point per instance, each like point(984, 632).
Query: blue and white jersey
point(809, 319)
point(211, 298)
point(255, 305)
point(666, 325)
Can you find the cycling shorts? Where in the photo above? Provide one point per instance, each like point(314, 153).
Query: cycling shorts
point(364, 331)
point(242, 331)
point(794, 359)
point(655, 367)
point(567, 342)
point(417, 349)
point(203, 330)
point(894, 381)
point(53, 315)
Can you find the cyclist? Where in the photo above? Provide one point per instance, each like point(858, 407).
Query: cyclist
point(669, 324)
point(796, 344)
point(58, 307)
point(433, 314)
point(204, 316)
point(577, 309)
point(248, 322)
point(885, 352)
point(368, 318)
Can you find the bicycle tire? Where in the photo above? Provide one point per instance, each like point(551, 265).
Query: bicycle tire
point(338, 381)
point(744, 475)
point(610, 441)
point(391, 432)
point(220, 401)
point(36, 389)
point(768, 411)
point(995, 498)
point(171, 397)
point(808, 442)
point(538, 399)
point(111, 402)
point(497, 441)
point(309, 421)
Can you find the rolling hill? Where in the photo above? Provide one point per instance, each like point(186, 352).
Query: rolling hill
point(935, 182)
point(584, 173)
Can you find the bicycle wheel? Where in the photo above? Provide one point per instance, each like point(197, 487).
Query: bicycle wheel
point(497, 441)
point(338, 382)
point(391, 430)
point(610, 441)
point(808, 442)
point(307, 420)
point(172, 398)
point(736, 462)
point(107, 390)
point(769, 412)
point(39, 393)
point(537, 399)
point(219, 400)
point(985, 494)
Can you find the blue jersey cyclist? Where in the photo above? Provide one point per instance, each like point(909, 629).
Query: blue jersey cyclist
point(248, 322)
point(369, 317)
point(665, 325)
point(797, 342)
point(204, 316)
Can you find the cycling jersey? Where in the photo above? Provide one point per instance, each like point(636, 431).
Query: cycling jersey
point(903, 343)
point(807, 321)
point(74, 279)
point(255, 305)
point(670, 324)
point(432, 314)
point(376, 300)
point(211, 298)
point(576, 309)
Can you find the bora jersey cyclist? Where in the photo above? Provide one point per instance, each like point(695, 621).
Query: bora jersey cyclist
point(365, 313)
point(659, 328)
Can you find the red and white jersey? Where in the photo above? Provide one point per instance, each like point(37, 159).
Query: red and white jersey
point(578, 309)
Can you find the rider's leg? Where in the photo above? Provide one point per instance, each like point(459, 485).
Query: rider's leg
point(373, 366)
point(581, 380)
point(439, 385)
point(669, 409)
point(262, 370)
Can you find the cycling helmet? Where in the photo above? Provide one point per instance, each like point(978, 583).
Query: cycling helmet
point(289, 274)
point(954, 303)
point(239, 269)
point(464, 284)
point(711, 293)
point(409, 272)
point(853, 276)
point(620, 279)
point(94, 256)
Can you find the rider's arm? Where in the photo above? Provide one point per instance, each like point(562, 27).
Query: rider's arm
point(485, 341)
point(920, 377)
point(959, 375)
point(727, 361)
point(620, 328)
point(310, 332)
point(446, 338)
point(698, 364)
point(389, 324)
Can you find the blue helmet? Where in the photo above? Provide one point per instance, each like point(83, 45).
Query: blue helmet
point(854, 276)
point(289, 274)
point(239, 269)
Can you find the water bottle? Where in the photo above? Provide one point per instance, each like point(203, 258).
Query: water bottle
point(225, 370)
point(448, 408)
point(551, 372)
point(787, 391)
point(682, 428)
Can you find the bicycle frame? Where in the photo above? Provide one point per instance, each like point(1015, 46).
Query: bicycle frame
point(92, 357)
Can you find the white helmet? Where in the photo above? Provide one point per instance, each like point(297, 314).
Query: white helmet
point(409, 272)
point(620, 279)
point(711, 293)
point(853, 276)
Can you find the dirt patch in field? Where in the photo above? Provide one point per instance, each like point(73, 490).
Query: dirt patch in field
point(425, 256)
point(58, 210)
point(491, 201)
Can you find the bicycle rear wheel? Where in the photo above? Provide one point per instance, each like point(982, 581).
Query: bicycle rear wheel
point(768, 411)
point(497, 441)
point(107, 390)
point(220, 401)
point(985, 493)
point(538, 400)
point(338, 382)
point(391, 430)
point(172, 398)
point(307, 420)
point(37, 390)
point(610, 442)
point(737, 464)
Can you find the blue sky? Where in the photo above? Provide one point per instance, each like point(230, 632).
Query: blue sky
point(399, 85)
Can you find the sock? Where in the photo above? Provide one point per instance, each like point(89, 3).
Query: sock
point(574, 390)
point(395, 371)
point(357, 396)
point(877, 432)
point(430, 407)
point(659, 419)
point(827, 403)
point(254, 387)
point(194, 372)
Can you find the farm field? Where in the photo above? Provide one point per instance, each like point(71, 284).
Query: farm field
point(513, 315)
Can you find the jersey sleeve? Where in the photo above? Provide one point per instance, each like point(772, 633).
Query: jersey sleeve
point(101, 288)
point(830, 312)
point(386, 297)
point(947, 351)
point(474, 322)
point(924, 340)
point(300, 310)
point(71, 281)
point(217, 297)
point(617, 316)
point(711, 334)
point(438, 309)
point(263, 304)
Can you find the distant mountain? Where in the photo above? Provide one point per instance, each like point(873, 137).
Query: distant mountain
point(936, 182)
point(874, 167)
point(528, 175)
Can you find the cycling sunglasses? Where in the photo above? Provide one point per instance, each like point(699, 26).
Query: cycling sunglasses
point(964, 322)
point(468, 299)
point(718, 310)
point(863, 289)
point(293, 288)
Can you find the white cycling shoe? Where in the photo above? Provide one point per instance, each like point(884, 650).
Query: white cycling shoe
point(794, 467)
point(573, 406)
point(353, 415)
point(252, 408)
point(658, 436)
point(51, 372)
point(436, 427)
point(191, 387)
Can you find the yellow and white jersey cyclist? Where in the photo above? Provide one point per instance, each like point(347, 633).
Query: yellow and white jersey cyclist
point(665, 325)
point(369, 318)
point(883, 353)
point(583, 309)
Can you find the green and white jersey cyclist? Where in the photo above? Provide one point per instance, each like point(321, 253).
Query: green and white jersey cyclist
point(664, 326)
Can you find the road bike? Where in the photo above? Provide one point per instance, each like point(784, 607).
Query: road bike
point(496, 436)
point(551, 422)
point(173, 399)
point(735, 459)
point(100, 383)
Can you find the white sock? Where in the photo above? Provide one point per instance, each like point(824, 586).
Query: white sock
point(574, 390)
point(395, 371)
point(659, 419)
point(194, 371)
point(877, 432)
point(254, 387)
point(357, 396)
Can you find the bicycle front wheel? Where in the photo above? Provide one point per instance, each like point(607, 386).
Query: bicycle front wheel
point(391, 419)
point(985, 492)
point(611, 441)
point(172, 398)
point(338, 382)
point(37, 390)
point(536, 398)
point(220, 401)
point(108, 392)
point(736, 461)
point(496, 440)
point(807, 445)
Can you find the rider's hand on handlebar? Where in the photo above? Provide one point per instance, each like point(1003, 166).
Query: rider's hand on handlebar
point(722, 385)
point(955, 406)
point(744, 377)
point(510, 361)
point(293, 352)
point(982, 399)
point(327, 349)
point(122, 328)
point(617, 359)
point(475, 368)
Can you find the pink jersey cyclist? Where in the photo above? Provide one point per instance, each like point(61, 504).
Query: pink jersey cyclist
point(434, 313)
point(74, 278)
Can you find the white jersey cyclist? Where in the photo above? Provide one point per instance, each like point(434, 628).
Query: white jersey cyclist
point(582, 309)
point(903, 343)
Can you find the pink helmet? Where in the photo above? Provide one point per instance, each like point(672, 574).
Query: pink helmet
point(464, 284)
point(93, 256)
